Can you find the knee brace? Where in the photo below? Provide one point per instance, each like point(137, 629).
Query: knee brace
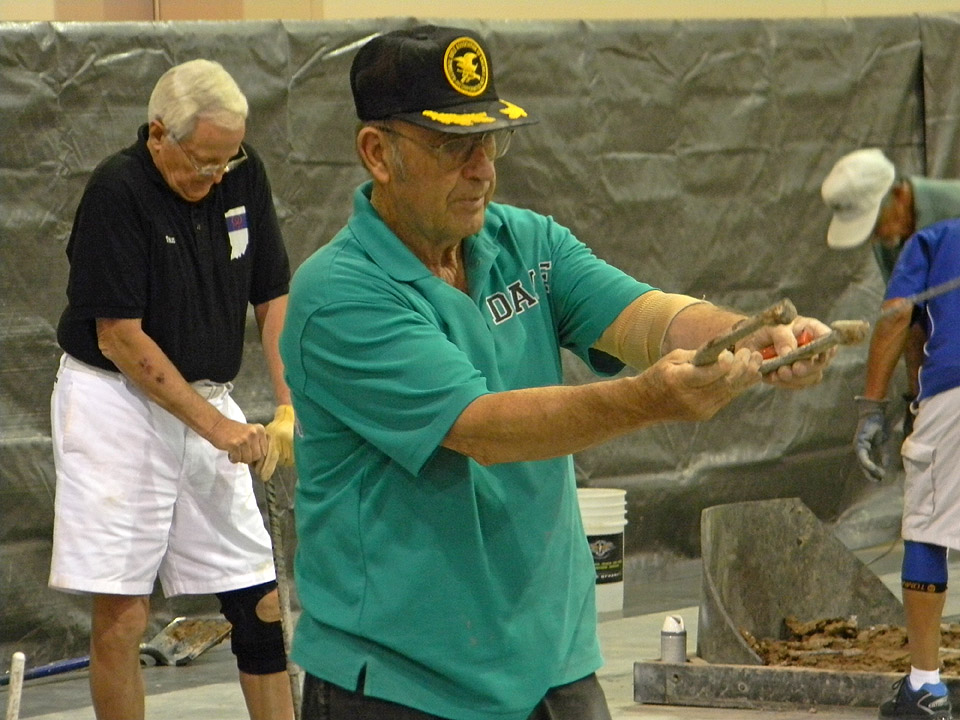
point(924, 567)
point(256, 638)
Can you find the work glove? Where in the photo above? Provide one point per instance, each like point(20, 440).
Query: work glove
point(280, 439)
point(871, 437)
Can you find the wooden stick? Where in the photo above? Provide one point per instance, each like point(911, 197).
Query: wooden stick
point(16, 685)
point(283, 584)
point(779, 313)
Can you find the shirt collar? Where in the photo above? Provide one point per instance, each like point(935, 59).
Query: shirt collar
point(392, 255)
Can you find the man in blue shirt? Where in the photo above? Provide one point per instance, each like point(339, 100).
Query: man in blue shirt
point(930, 455)
point(871, 202)
point(442, 565)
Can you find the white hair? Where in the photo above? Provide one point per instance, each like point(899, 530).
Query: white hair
point(194, 90)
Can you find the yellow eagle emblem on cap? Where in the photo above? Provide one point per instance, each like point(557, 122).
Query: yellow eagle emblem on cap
point(465, 67)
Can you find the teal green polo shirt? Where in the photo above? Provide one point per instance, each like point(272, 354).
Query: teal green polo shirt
point(464, 591)
point(933, 201)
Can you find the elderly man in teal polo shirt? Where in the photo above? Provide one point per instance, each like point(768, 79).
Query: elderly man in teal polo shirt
point(442, 564)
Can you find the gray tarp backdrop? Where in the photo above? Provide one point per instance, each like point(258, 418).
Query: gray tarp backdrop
point(688, 153)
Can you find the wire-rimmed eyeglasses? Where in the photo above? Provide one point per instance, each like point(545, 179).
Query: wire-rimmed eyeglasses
point(215, 169)
point(457, 151)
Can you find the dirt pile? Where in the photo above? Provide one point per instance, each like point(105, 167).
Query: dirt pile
point(840, 644)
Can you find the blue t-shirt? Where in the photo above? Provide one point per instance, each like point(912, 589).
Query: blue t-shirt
point(465, 591)
point(932, 257)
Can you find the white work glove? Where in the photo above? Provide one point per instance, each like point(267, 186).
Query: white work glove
point(871, 437)
point(280, 443)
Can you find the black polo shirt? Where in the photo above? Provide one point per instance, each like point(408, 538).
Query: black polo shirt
point(188, 270)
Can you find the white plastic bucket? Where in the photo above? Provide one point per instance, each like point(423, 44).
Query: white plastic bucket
point(605, 507)
point(593, 496)
point(610, 513)
point(603, 511)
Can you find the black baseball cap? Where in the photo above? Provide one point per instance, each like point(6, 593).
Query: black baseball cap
point(437, 77)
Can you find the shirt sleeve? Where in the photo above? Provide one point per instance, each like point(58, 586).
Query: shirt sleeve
point(911, 273)
point(271, 277)
point(388, 373)
point(587, 294)
point(108, 254)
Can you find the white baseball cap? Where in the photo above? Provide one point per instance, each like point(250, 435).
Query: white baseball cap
point(854, 191)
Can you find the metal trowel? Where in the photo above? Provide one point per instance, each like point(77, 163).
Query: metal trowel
point(183, 639)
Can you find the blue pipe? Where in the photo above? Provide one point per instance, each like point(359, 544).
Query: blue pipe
point(54, 668)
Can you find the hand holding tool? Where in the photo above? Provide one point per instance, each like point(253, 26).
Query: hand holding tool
point(770, 352)
point(842, 332)
point(279, 443)
point(780, 313)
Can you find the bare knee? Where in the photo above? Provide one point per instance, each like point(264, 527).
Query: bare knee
point(120, 620)
point(268, 609)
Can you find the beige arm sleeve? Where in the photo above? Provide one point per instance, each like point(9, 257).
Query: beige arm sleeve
point(636, 336)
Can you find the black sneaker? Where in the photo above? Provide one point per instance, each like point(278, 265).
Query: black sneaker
point(930, 702)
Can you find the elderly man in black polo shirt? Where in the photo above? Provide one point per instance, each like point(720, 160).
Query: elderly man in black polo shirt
point(173, 238)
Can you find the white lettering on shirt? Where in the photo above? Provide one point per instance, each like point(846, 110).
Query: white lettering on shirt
point(505, 304)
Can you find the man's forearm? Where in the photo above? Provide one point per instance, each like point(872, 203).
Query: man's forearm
point(540, 423)
point(139, 358)
point(696, 324)
point(886, 346)
point(270, 316)
point(636, 336)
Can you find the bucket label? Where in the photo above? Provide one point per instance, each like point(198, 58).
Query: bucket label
point(607, 557)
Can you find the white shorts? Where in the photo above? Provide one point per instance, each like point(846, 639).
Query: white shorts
point(931, 459)
point(140, 495)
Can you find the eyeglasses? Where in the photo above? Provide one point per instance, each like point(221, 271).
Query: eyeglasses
point(209, 171)
point(456, 152)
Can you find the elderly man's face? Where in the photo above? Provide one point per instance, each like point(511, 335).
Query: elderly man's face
point(186, 164)
point(441, 204)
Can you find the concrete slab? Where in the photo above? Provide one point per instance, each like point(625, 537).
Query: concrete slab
point(759, 687)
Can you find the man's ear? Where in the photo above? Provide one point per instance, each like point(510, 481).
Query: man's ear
point(373, 151)
point(155, 133)
point(900, 191)
point(903, 195)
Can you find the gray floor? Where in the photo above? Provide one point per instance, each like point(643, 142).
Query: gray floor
point(207, 688)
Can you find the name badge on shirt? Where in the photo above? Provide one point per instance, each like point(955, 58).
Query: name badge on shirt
point(237, 230)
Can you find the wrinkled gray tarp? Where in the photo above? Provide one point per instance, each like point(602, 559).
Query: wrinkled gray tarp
point(688, 153)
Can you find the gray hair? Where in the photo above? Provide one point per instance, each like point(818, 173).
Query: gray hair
point(194, 90)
